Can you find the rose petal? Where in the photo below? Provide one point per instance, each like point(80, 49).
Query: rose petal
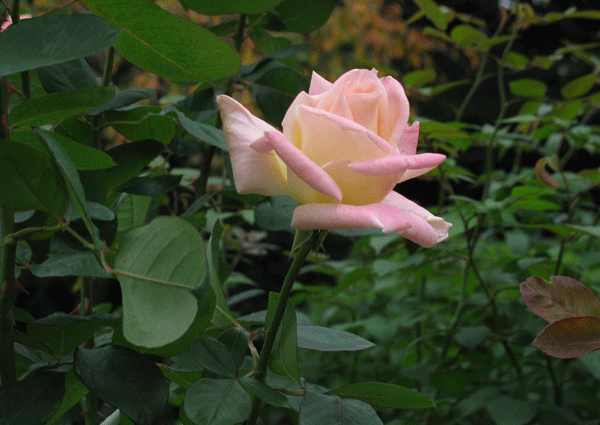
point(358, 189)
point(330, 137)
point(356, 80)
point(341, 108)
point(409, 140)
point(318, 85)
point(309, 172)
point(393, 124)
point(398, 164)
point(253, 172)
point(366, 107)
point(290, 122)
point(342, 216)
point(426, 229)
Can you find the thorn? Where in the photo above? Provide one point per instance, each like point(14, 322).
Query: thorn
point(20, 287)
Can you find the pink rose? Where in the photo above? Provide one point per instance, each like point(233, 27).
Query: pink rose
point(343, 148)
point(8, 21)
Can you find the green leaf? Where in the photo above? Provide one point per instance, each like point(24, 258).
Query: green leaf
point(125, 379)
point(275, 91)
point(579, 86)
point(566, 230)
point(304, 15)
point(558, 299)
point(123, 98)
point(276, 213)
point(506, 410)
point(75, 74)
point(164, 261)
point(517, 60)
point(206, 133)
point(570, 337)
point(324, 339)
point(53, 39)
point(57, 106)
point(230, 7)
point(384, 395)
point(468, 36)
point(33, 400)
point(318, 408)
point(284, 357)
point(419, 78)
point(591, 361)
point(217, 402)
point(184, 378)
point(236, 341)
point(74, 186)
point(76, 128)
point(71, 263)
point(222, 313)
point(142, 123)
point(150, 186)
point(131, 158)
point(83, 157)
point(74, 391)
point(165, 44)
point(263, 392)
point(132, 212)
point(214, 356)
point(433, 12)
point(62, 332)
point(23, 190)
point(528, 87)
point(471, 336)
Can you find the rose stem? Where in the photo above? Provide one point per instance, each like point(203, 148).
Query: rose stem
point(260, 370)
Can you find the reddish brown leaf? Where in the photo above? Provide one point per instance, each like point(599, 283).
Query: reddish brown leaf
point(571, 337)
point(558, 299)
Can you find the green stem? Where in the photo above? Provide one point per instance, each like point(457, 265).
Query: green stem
point(558, 399)
point(108, 66)
point(8, 288)
point(260, 370)
point(210, 151)
point(9, 295)
point(86, 309)
point(15, 15)
point(15, 12)
point(489, 153)
point(4, 99)
point(471, 92)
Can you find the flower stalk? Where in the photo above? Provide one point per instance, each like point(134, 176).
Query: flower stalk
point(260, 370)
point(8, 287)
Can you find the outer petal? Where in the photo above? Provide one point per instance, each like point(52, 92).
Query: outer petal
point(409, 140)
point(426, 229)
point(341, 216)
point(253, 172)
point(318, 84)
point(299, 163)
point(392, 125)
point(394, 164)
point(290, 122)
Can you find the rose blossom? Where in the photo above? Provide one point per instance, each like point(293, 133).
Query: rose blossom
point(8, 21)
point(344, 147)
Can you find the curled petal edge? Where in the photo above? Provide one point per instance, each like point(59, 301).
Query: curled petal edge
point(397, 164)
point(299, 163)
point(341, 216)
